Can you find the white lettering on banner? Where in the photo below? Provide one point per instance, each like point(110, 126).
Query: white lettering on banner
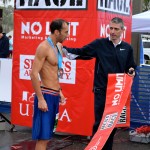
point(123, 117)
point(32, 37)
point(33, 30)
point(25, 66)
point(36, 28)
point(118, 89)
point(116, 99)
point(109, 121)
point(74, 28)
point(69, 67)
point(25, 109)
point(104, 31)
point(48, 32)
point(115, 6)
point(65, 114)
point(51, 4)
point(119, 84)
point(28, 97)
point(95, 146)
point(26, 113)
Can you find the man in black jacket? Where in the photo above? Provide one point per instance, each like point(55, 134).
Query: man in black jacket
point(4, 44)
point(112, 56)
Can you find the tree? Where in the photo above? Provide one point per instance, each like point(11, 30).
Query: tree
point(6, 1)
point(146, 5)
point(7, 19)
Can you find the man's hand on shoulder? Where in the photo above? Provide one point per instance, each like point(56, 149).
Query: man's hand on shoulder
point(60, 47)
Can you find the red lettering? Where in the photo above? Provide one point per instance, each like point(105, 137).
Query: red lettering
point(27, 73)
point(67, 66)
point(28, 63)
point(67, 76)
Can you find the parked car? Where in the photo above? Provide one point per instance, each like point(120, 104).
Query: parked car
point(146, 48)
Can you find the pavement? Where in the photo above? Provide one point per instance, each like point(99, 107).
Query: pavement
point(20, 139)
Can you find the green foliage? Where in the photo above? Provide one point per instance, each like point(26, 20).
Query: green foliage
point(146, 5)
point(7, 18)
point(6, 1)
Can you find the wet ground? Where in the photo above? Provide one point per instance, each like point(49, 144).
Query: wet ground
point(20, 139)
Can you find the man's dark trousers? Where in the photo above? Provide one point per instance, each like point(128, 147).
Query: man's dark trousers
point(99, 105)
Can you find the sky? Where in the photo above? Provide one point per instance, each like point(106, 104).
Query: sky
point(12, 2)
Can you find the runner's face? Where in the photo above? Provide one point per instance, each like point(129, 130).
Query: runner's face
point(115, 31)
point(63, 34)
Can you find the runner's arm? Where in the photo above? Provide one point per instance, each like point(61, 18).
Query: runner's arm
point(36, 68)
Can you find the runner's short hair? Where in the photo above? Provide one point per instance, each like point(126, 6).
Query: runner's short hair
point(57, 25)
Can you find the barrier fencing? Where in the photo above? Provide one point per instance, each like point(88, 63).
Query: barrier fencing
point(140, 100)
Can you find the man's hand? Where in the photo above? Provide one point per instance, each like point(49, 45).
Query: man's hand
point(62, 99)
point(60, 46)
point(131, 72)
point(42, 105)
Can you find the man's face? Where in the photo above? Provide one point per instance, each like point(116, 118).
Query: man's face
point(1, 35)
point(115, 31)
point(63, 34)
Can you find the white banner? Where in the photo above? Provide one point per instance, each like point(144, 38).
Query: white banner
point(5, 79)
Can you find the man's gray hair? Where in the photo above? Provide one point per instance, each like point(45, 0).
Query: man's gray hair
point(118, 20)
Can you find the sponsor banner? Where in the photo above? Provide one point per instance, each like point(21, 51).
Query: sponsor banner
point(51, 4)
point(5, 79)
point(118, 90)
point(32, 19)
point(26, 62)
point(121, 7)
point(123, 116)
point(124, 119)
point(39, 30)
point(69, 67)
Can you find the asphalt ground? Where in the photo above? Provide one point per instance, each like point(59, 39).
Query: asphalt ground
point(19, 138)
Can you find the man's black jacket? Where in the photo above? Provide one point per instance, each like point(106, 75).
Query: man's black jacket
point(109, 59)
point(4, 46)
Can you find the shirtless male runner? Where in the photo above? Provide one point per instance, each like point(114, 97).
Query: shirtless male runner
point(48, 93)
